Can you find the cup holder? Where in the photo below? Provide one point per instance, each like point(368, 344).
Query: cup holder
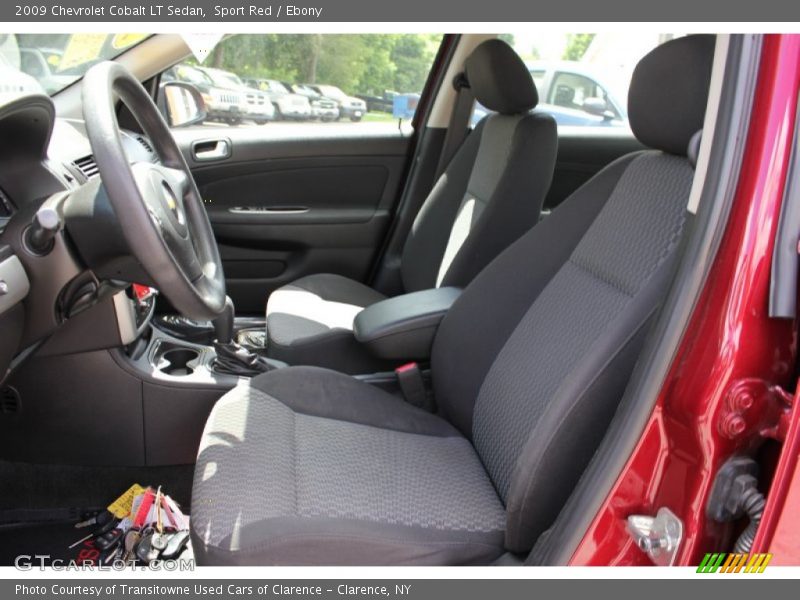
point(176, 362)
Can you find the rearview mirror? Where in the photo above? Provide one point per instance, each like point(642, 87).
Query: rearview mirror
point(181, 104)
point(597, 107)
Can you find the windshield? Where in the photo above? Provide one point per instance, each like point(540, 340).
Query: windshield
point(278, 87)
point(52, 61)
point(192, 75)
point(331, 91)
point(224, 79)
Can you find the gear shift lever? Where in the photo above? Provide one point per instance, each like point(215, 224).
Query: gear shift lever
point(223, 324)
point(232, 358)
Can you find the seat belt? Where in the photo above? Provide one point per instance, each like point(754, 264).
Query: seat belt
point(412, 385)
point(457, 129)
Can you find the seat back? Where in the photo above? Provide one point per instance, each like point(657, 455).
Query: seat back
point(533, 358)
point(493, 190)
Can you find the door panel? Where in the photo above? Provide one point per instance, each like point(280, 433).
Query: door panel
point(283, 208)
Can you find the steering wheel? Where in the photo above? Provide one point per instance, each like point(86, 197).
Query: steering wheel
point(158, 205)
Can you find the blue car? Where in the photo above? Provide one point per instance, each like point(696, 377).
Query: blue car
point(573, 95)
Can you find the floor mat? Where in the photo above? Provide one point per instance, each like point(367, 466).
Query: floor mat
point(44, 542)
point(41, 544)
point(56, 486)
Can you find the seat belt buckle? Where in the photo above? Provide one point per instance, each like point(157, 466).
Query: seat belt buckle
point(412, 384)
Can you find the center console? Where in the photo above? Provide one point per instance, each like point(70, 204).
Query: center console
point(179, 350)
point(112, 387)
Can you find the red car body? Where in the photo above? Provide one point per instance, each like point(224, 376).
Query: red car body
point(728, 388)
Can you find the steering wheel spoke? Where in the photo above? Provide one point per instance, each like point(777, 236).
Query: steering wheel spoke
point(177, 179)
point(158, 205)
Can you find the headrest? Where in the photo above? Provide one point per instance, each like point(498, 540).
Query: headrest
point(499, 79)
point(669, 91)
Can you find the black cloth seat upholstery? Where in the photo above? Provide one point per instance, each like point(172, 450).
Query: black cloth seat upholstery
point(490, 194)
point(344, 473)
point(305, 465)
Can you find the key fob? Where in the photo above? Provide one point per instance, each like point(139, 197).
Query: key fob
point(175, 545)
point(145, 551)
point(159, 541)
point(106, 526)
point(108, 540)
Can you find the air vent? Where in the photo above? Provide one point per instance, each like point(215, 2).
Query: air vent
point(9, 401)
point(144, 142)
point(87, 166)
point(6, 208)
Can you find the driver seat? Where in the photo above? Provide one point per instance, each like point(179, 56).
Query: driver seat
point(304, 465)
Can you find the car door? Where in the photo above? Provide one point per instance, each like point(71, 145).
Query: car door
point(302, 196)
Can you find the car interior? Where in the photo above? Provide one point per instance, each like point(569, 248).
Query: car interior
point(383, 347)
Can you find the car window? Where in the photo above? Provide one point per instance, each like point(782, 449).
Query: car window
point(278, 87)
point(538, 77)
point(298, 80)
point(571, 90)
point(582, 78)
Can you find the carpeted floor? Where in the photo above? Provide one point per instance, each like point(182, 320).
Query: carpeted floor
point(29, 486)
point(40, 504)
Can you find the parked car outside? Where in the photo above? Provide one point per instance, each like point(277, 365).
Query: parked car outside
point(322, 107)
point(33, 62)
point(573, 94)
point(288, 105)
point(258, 106)
point(350, 107)
point(382, 103)
point(223, 104)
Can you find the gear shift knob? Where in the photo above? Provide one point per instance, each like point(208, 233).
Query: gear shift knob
point(223, 324)
point(232, 358)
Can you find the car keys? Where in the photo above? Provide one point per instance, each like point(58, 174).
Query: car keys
point(175, 545)
point(159, 538)
point(101, 519)
point(80, 541)
point(109, 539)
point(145, 551)
point(131, 539)
point(133, 535)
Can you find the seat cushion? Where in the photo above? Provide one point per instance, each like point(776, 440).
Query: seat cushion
point(310, 322)
point(308, 466)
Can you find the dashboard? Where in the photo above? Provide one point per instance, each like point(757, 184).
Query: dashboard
point(45, 161)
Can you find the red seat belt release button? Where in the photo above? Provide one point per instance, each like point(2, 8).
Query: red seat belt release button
point(409, 378)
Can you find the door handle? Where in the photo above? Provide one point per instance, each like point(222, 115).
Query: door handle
point(267, 210)
point(206, 150)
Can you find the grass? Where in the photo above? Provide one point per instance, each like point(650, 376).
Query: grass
point(379, 117)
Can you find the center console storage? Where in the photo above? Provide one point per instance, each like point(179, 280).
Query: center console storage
point(403, 327)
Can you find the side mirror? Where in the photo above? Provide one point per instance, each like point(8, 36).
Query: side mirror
point(597, 107)
point(181, 104)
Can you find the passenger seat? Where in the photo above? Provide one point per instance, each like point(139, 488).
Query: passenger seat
point(489, 195)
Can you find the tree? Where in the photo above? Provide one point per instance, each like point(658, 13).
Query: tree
point(357, 63)
point(412, 56)
point(577, 44)
point(508, 38)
